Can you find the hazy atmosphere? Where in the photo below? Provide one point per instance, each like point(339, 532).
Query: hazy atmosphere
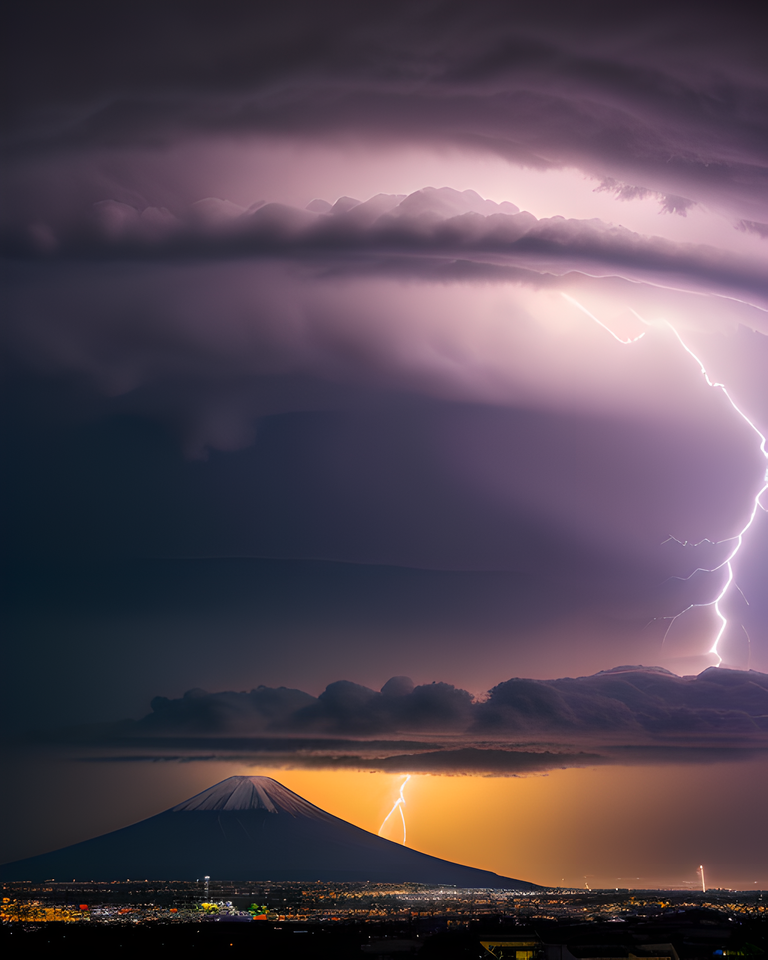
point(383, 387)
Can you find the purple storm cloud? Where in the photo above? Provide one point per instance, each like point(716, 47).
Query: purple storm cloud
point(358, 341)
point(397, 286)
point(624, 715)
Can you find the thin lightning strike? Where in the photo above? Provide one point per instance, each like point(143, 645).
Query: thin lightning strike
point(397, 805)
point(736, 540)
point(600, 322)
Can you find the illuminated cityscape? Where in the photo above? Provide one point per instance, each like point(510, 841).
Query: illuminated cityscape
point(554, 924)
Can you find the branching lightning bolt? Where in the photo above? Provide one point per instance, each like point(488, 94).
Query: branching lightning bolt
point(397, 805)
point(738, 539)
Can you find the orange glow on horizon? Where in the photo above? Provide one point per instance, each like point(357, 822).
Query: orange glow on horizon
point(626, 826)
point(638, 826)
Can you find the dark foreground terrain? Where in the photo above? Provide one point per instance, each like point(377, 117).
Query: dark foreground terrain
point(548, 941)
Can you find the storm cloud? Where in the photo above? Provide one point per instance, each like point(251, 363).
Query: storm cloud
point(356, 237)
point(424, 377)
point(347, 341)
point(670, 100)
point(621, 707)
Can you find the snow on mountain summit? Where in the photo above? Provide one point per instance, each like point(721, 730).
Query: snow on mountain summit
point(252, 793)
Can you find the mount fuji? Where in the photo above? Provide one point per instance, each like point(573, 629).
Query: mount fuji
point(248, 828)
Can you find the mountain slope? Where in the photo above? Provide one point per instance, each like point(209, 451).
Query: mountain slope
point(248, 828)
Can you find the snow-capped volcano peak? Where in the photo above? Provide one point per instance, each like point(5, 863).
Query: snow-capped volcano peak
point(249, 828)
point(252, 793)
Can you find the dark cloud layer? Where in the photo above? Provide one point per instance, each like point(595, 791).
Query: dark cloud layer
point(357, 237)
point(625, 716)
point(622, 706)
point(670, 98)
point(467, 760)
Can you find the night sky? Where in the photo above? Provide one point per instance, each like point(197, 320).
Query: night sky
point(345, 342)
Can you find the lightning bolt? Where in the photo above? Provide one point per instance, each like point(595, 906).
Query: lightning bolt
point(397, 806)
point(600, 322)
point(738, 539)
